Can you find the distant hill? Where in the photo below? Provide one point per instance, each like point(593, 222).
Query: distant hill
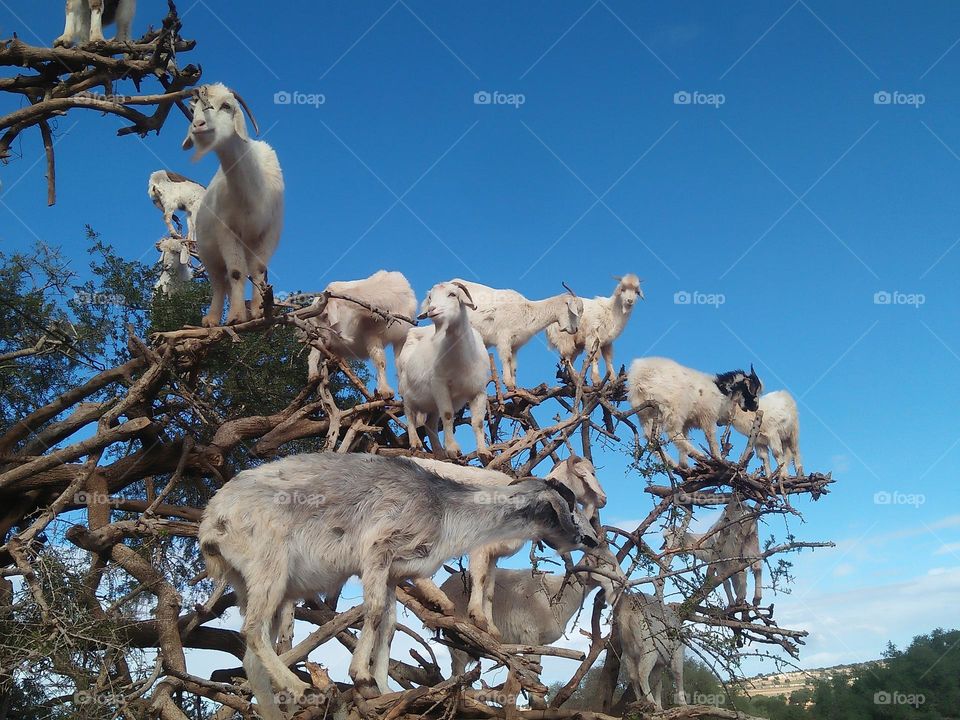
point(784, 683)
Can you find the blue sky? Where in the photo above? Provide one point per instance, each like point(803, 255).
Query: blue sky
point(787, 187)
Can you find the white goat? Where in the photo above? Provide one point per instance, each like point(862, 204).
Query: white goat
point(507, 320)
point(85, 20)
point(602, 322)
point(356, 333)
point(392, 520)
point(241, 214)
point(779, 430)
point(172, 192)
point(175, 265)
point(443, 367)
point(575, 473)
point(675, 399)
point(728, 548)
point(651, 642)
point(530, 608)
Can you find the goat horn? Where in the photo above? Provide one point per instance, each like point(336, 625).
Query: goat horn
point(465, 291)
point(618, 278)
point(568, 289)
point(246, 109)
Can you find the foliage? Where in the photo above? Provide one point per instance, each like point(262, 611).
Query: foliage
point(922, 681)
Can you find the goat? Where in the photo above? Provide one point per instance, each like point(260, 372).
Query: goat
point(575, 473)
point(728, 548)
point(358, 333)
point(602, 322)
point(85, 20)
point(175, 265)
point(530, 608)
point(779, 432)
point(673, 398)
point(303, 525)
point(241, 214)
point(507, 320)
point(442, 368)
point(649, 633)
point(171, 192)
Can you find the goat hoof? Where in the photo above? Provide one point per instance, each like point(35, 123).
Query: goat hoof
point(385, 393)
point(210, 321)
point(235, 318)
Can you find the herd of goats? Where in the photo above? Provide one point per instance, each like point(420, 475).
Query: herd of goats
point(300, 527)
point(388, 519)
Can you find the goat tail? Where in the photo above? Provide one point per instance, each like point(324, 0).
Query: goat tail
point(217, 566)
point(212, 530)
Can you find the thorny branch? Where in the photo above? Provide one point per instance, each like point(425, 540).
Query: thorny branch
point(54, 81)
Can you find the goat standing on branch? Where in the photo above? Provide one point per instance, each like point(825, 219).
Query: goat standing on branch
point(85, 20)
point(241, 214)
point(728, 548)
point(442, 368)
point(171, 192)
point(323, 518)
point(602, 322)
point(650, 634)
point(675, 399)
point(353, 332)
point(779, 433)
point(575, 473)
point(507, 320)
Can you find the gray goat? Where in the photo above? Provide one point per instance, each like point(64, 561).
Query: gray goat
point(303, 525)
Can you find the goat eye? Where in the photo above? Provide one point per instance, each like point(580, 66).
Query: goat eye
point(225, 106)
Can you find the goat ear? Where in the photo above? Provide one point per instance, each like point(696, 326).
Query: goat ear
point(188, 140)
point(564, 492)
